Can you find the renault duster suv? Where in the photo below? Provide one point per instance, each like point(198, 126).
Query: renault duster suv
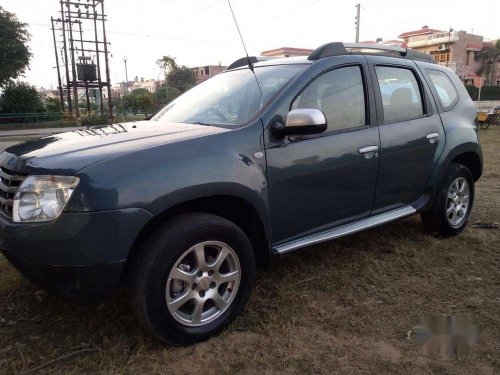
point(265, 158)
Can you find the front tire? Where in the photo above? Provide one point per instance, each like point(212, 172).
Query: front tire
point(192, 277)
point(453, 202)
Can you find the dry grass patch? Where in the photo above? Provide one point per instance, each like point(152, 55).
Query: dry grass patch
point(344, 306)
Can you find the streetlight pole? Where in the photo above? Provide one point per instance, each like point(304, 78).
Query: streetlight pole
point(126, 75)
point(358, 16)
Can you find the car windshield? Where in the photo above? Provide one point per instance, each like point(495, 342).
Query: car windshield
point(229, 99)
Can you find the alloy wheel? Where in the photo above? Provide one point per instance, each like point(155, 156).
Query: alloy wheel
point(203, 283)
point(457, 201)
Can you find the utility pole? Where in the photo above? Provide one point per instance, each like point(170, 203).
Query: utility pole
point(358, 14)
point(126, 76)
point(66, 61)
point(80, 52)
point(106, 60)
point(73, 66)
point(61, 95)
point(448, 47)
point(99, 79)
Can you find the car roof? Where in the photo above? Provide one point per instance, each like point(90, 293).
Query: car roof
point(337, 49)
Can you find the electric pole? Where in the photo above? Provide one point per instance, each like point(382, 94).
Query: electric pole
point(61, 95)
point(80, 51)
point(358, 13)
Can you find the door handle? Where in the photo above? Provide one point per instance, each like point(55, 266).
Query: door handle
point(432, 137)
point(369, 151)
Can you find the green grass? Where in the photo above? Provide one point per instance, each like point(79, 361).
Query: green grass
point(341, 307)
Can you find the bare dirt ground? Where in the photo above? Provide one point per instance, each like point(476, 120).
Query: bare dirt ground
point(341, 307)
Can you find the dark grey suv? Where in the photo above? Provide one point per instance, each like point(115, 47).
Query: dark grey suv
point(262, 159)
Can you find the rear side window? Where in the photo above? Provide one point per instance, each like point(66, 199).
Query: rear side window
point(340, 94)
point(400, 91)
point(447, 93)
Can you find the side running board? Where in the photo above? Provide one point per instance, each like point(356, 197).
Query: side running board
point(345, 230)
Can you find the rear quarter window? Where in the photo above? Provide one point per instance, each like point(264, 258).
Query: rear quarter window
point(444, 87)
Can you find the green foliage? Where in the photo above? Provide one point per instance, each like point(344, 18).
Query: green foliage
point(139, 100)
point(53, 105)
point(94, 119)
point(167, 63)
point(488, 58)
point(20, 97)
point(117, 103)
point(14, 53)
point(165, 95)
point(487, 92)
point(180, 77)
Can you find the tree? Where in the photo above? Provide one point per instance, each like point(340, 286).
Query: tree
point(167, 63)
point(488, 58)
point(52, 105)
point(20, 97)
point(139, 100)
point(180, 77)
point(165, 95)
point(14, 53)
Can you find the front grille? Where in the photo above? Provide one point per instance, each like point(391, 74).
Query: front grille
point(9, 183)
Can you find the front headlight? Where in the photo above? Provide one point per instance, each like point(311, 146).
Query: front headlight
point(42, 198)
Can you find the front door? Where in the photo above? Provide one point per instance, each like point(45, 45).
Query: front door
point(317, 182)
point(411, 133)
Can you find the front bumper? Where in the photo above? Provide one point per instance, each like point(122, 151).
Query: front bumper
point(79, 256)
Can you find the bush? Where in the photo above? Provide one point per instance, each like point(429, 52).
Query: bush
point(94, 119)
point(487, 92)
point(20, 97)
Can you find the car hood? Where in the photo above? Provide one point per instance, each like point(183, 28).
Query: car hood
point(66, 153)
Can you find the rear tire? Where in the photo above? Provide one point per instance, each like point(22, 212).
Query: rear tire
point(186, 263)
point(453, 202)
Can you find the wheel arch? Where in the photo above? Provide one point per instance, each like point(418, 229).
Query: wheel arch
point(468, 154)
point(472, 161)
point(233, 208)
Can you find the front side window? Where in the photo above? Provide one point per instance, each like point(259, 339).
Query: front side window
point(340, 94)
point(229, 99)
point(401, 96)
point(445, 89)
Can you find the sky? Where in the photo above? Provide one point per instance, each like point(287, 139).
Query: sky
point(202, 32)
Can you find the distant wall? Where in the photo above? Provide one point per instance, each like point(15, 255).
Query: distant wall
point(486, 104)
point(487, 92)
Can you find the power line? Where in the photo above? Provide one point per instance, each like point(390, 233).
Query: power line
point(148, 35)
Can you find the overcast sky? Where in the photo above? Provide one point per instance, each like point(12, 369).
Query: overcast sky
point(202, 32)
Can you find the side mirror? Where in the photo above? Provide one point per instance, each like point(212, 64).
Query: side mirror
point(301, 122)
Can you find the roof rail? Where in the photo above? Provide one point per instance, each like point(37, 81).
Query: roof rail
point(244, 61)
point(327, 50)
point(338, 48)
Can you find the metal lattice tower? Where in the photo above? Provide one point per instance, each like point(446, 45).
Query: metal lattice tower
point(85, 60)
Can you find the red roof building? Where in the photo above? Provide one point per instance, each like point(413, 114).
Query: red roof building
point(455, 49)
point(423, 31)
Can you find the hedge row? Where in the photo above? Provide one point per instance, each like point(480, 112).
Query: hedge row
point(487, 92)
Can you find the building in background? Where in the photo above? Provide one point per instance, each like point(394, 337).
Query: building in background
point(455, 49)
point(151, 85)
point(202, 73)
point(48, 93)
point(287, 52)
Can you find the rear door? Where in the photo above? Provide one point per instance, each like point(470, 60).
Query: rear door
point(411, 133)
